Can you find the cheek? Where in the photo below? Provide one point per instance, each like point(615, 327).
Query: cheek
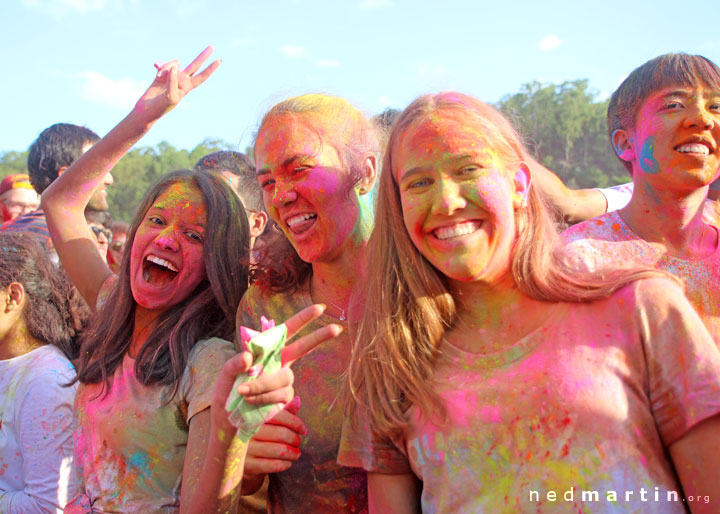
point(648, 162)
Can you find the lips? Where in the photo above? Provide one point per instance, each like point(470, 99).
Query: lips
point(455, 230)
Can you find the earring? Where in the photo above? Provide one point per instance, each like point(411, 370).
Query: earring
point(362, 190)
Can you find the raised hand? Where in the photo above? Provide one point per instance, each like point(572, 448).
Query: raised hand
point(171, 85)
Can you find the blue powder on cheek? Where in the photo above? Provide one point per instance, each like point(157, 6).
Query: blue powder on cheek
point(647, 159)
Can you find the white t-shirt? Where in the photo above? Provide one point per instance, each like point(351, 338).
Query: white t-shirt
point(36, 427)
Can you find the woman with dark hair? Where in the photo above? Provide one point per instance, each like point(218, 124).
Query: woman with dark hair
point(38, 327)
point(150, 417)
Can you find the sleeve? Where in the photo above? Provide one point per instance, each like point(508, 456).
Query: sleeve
point(204, 365)
point(45, 428)
point(360, 447)
point(617, 197)
point(682, 360)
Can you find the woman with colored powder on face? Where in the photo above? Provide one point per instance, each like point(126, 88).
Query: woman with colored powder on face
point(150, 416)
point(488, 377)
point(38, 328)
point(316, 164)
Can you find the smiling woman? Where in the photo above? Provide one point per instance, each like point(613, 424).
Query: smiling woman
point(152, 434)
point(484, 368)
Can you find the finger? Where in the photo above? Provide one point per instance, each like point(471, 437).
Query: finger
point(262, 450)
point(286, 421)
point(199, 60)
point(165, 68)
point(277, 396)
point(173, 82)
point(257, 466)
point(205, 74)
point(276, 434)
point(267, 382)
point(294, 406)
point(306, 344)
point(297, 322)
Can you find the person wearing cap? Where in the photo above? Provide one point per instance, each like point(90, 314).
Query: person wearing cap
point(17, 196)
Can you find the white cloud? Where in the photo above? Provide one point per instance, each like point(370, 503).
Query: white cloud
point(385, 101)
point(327, 63)
point(98, 88)
point(549, 42)
point(374, 4)
point(293, 51)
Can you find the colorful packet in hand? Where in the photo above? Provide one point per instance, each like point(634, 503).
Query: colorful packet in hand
point(266, 348)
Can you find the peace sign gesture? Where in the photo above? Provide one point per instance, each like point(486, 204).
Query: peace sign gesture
point(171, 85)
point(275, 388)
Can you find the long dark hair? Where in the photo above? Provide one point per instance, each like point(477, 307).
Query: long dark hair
point(208, 311)
point(54, 313)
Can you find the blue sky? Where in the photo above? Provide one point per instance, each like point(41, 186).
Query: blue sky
point(87, 61)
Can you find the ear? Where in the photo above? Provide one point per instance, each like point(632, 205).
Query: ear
point(15, 296)
point(521, 182)
point(369, 173)
point(258, 221)
point(62, 170)
point(622, 144)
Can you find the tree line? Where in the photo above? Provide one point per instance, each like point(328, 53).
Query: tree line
point(562, 124)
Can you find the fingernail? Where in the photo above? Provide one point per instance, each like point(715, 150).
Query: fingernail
point(243, 389)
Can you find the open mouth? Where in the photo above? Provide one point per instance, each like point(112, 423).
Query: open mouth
point(457, 230)
point(157, 271)
point(693, 148)
point(301, 222)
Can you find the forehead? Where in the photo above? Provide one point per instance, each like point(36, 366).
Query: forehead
point(21, 194)
point(443, 134)
point(688, 91)
point(286, 135)
point(182, 199)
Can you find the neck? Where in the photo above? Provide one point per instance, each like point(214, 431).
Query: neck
point(493, 317)
point(17, 342)
point(145, 321)
point(671, 221)
point(333, 283)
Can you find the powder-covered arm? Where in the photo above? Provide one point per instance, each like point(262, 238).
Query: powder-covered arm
point(64, 201)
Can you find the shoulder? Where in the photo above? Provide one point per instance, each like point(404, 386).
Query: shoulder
point(601, 228)
point(257, 302)
point(212, 349)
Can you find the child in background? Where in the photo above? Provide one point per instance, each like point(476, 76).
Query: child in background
point(38, 326)
point(664, 124)
point(484, 369)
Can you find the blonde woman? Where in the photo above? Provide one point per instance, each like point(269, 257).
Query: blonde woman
point(488, 377)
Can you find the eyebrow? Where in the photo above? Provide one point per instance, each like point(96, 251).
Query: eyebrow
point(265, 170)
point(420, 169)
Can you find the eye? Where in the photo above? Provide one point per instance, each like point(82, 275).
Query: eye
point(155, 220)
point(266, 183)
point(419, 183)
point(194, 236)
point(714, 107)
point(469, 170)
point(673, 104)
point(300, 169)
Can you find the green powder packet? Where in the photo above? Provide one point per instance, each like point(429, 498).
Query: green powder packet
point(266, 348)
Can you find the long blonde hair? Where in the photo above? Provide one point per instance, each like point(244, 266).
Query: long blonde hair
point(408, 304)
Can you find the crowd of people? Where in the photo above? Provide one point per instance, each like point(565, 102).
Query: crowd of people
point(455, 352)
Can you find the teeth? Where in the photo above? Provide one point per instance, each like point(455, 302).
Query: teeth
point(693, 148)
point(299, 219)
point(460, 229)
point(161, 262)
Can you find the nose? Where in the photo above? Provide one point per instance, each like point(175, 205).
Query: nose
point(167, 240)
point(700, 116)
point(283, 194)
point(108, 179)
point(448, 197)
